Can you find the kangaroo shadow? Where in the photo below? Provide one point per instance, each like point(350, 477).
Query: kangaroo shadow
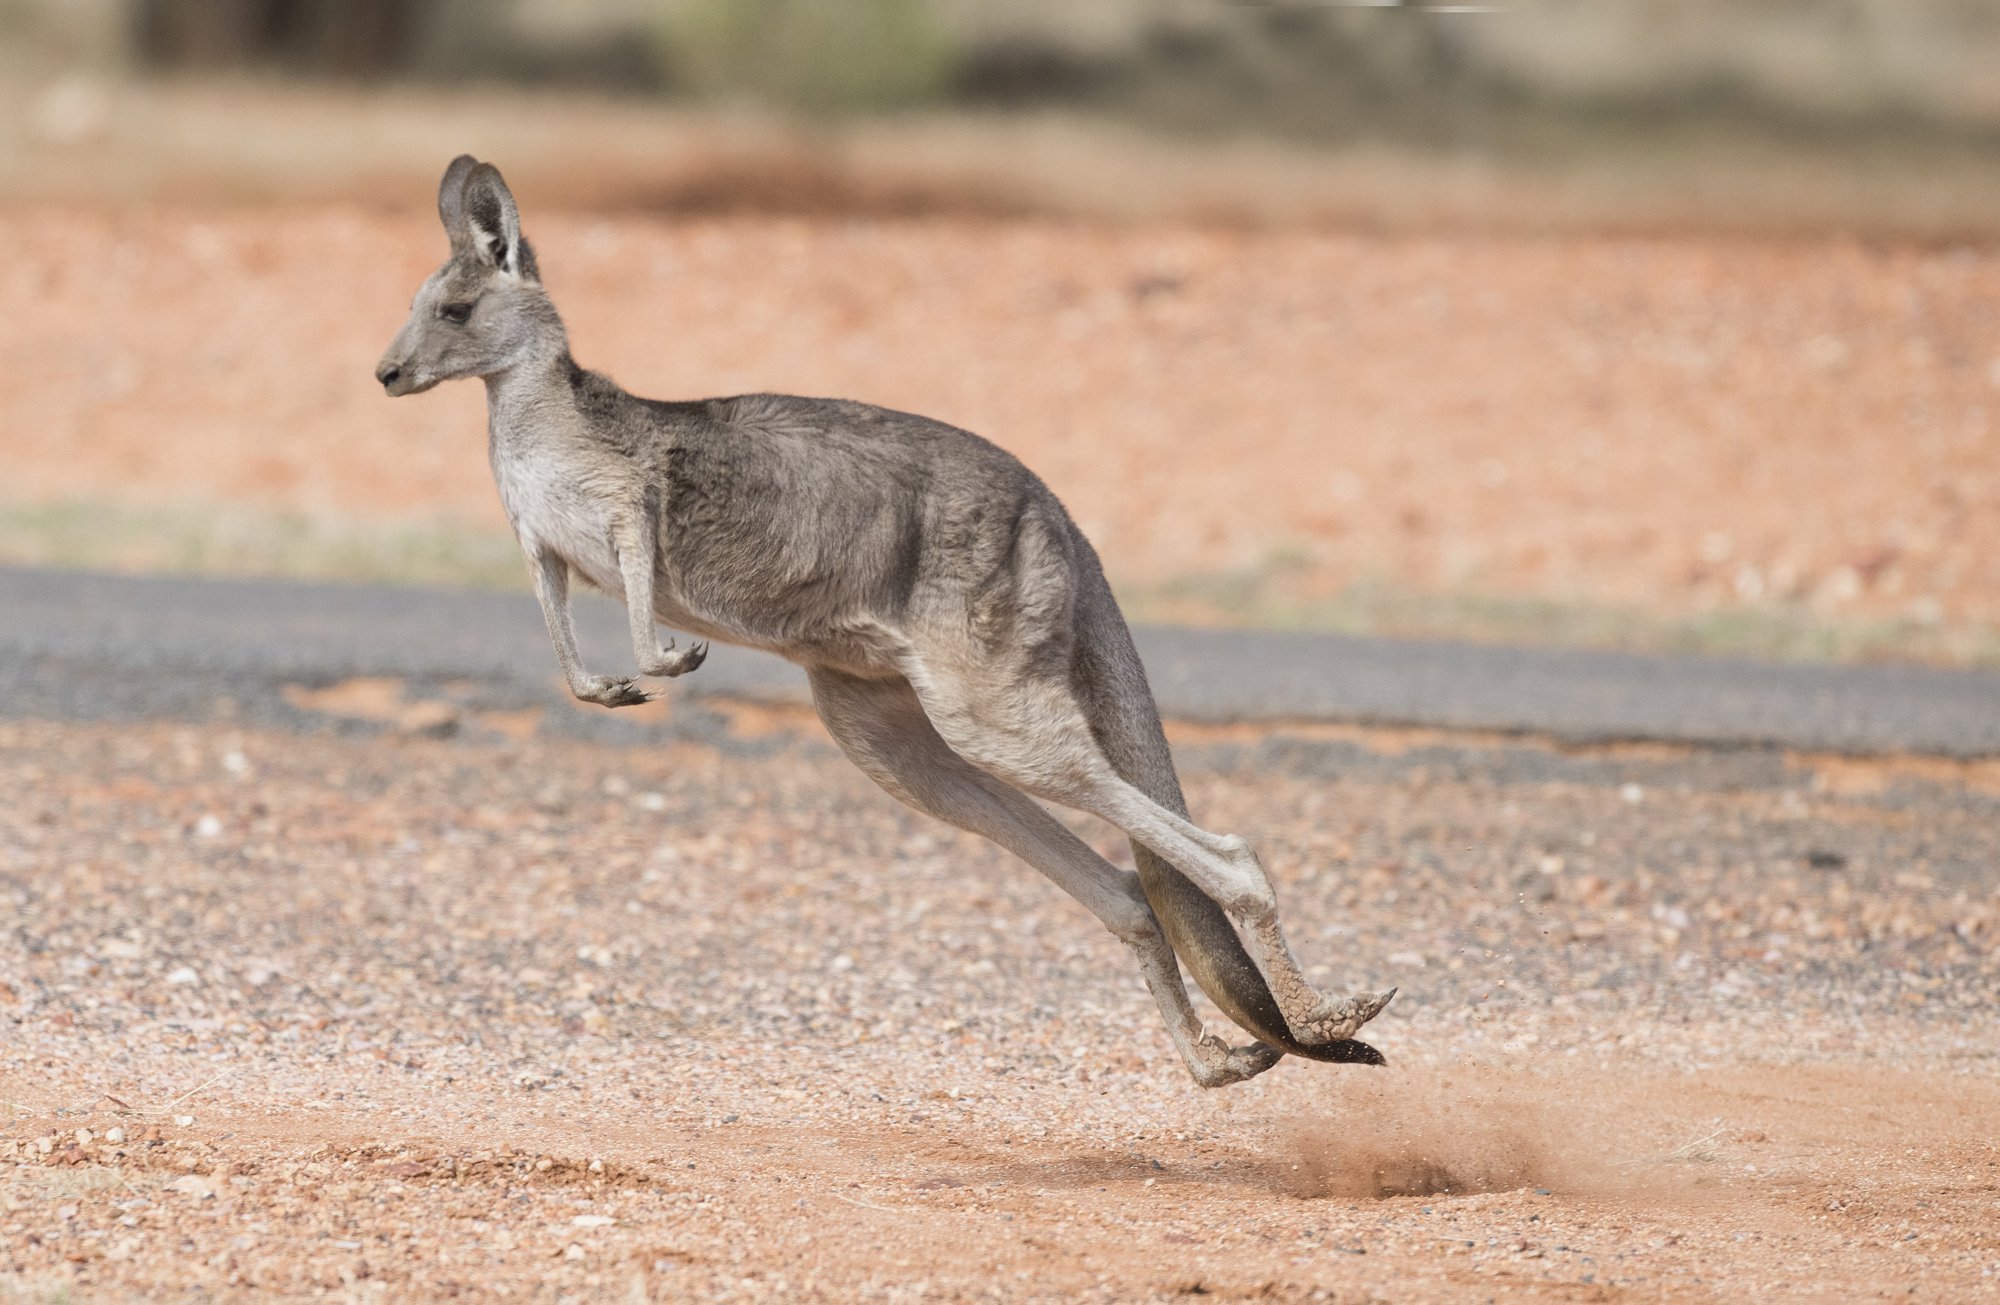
point(1113, 1168)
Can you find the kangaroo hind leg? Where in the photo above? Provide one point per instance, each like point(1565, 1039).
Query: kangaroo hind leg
point(882, 728)
point(1031, 732)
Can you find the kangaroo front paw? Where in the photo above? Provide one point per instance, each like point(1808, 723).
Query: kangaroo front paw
point(671, 662)
point(606, 691)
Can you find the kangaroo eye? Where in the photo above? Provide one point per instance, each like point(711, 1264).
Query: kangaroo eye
point(456, 314)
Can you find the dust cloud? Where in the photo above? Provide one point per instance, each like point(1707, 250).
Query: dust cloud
point(1461, 1131)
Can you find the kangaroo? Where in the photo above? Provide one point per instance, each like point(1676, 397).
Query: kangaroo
point(963, 646)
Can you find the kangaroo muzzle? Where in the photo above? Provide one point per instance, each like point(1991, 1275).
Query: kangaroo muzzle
point(398, 379)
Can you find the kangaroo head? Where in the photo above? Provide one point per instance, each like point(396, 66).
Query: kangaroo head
point(485, 310)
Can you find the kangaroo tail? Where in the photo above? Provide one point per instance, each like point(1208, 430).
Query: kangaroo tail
point(1111, 683)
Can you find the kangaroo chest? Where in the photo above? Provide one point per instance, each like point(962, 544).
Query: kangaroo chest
point(552, 503)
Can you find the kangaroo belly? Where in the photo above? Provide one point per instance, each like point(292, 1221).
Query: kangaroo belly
point(853, 642)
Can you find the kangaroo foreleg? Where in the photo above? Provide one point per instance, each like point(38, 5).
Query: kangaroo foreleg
point(637, 549)
point(551, 575)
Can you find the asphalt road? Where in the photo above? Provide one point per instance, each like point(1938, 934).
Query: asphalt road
point(91, 646)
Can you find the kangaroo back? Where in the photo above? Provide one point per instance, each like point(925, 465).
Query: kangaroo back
point(1111, 683)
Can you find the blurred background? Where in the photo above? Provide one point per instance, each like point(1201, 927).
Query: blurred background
point(1580, 321)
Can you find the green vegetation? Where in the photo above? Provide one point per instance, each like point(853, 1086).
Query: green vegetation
point(817, 56)
point(1268, 597)
point(240, 541)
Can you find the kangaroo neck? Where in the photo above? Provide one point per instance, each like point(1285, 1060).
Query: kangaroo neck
point(528, 394)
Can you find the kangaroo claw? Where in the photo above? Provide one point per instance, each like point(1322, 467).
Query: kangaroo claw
point(1337, 1019)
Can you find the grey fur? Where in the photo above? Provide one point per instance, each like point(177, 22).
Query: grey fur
point(962, 644)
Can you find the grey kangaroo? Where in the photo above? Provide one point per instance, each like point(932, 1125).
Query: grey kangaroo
point(963, 647)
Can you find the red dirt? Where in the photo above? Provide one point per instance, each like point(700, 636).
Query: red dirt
point(384, 1018)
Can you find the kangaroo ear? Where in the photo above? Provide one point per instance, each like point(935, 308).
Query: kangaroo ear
point(451, 199)
point(493, 223)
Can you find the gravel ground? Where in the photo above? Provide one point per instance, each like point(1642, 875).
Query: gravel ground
point(381, 1017)
point(1663, 425)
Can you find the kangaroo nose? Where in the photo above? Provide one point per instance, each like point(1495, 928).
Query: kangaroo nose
point(387, 373)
